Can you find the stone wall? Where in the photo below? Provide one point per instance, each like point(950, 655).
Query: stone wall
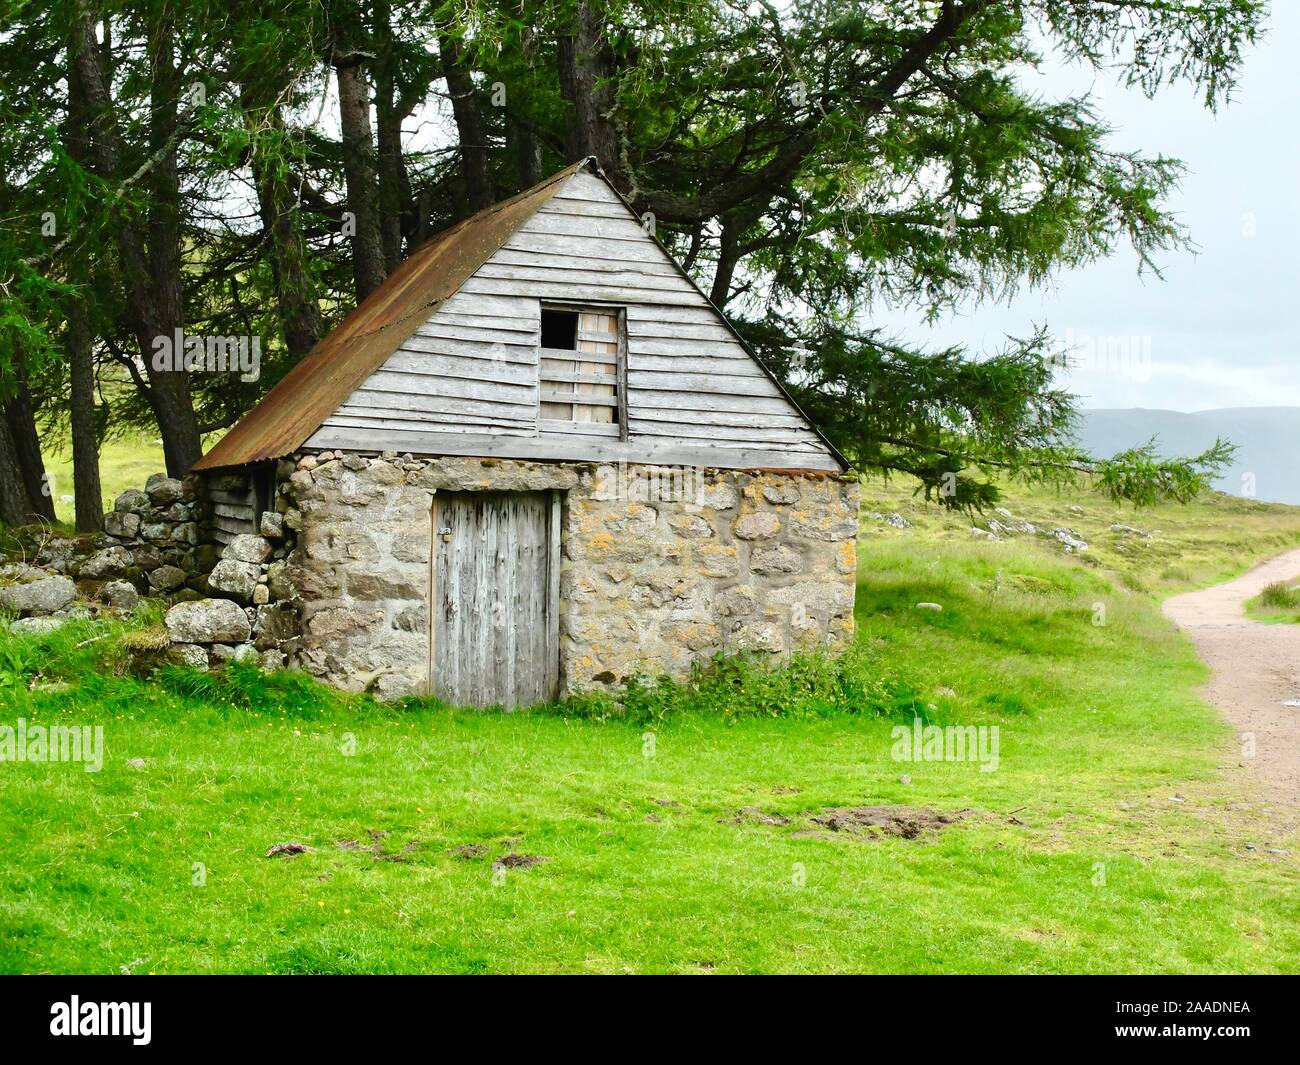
point(252, 612)
point(659, 568)
point(151, 547)
point(729, 560)
point(153, 539)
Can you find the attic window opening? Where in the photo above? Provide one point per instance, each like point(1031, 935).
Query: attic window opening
point(582, 356)
point(560, 330)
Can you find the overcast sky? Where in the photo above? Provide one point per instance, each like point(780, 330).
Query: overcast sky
point(1220, 329)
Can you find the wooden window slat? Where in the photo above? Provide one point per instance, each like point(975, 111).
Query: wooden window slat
point(565, 355)
point(586, 400)
point(595, 372)
point(557, 377)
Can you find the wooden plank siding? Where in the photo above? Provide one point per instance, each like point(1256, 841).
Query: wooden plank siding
point(467, 381)
point(233, 510)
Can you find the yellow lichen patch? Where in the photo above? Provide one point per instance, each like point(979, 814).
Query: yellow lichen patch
point(718, 560)
point(848, 557)
point(821, 491)
point(589, 522)
point(692, 634)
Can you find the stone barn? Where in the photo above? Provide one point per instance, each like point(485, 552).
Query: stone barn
point(537, 459)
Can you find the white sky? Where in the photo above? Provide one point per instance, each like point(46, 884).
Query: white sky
point(1219, 330)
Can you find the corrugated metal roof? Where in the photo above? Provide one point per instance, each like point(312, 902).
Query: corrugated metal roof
point(334, 368)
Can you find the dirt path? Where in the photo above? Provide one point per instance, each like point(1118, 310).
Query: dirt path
point(1256, 667)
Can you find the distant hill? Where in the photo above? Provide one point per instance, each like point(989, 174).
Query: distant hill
point(1268, 440)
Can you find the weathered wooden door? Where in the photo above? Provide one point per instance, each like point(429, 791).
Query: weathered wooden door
point(495, 596)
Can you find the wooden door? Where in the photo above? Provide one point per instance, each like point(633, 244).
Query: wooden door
point(495, 595)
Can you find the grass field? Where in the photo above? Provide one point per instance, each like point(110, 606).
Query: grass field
point(125, 463)
point(1278, 602)
point(1111, 836)
point(1205, 542)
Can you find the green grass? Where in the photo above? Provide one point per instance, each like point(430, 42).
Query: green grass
point(1073, 857)
point(125, 462)
point(1280, 601)
point(1190, 545)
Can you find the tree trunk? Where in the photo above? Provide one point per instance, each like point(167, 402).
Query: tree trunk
point(470, 128)
point(168, 393)
point(395, 200)
point(528, 154)
point(423, 229)
point(394, 189)
point(14, 509)
point(360, 175)
point(300, 317)
point(586, 69)
point(728, 258)
point(81, 364)
point(171, 388)
point(526, 143)
point(85, 432)
point(26, 444)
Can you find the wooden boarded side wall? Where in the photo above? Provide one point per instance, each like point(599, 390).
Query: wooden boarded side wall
point(689, 379)
point(467, 381)
point(471, 368)
point(232, 505)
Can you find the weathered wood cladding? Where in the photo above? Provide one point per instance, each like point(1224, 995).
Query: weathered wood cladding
point(467, 380)
point(434, 272)
point(232, 505)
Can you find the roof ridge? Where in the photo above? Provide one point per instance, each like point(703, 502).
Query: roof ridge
point(500, 205)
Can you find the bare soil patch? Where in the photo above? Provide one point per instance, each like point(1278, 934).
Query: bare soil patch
point(288, 850)
point(376, 848)
point(904, 822)
point(518, 861)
